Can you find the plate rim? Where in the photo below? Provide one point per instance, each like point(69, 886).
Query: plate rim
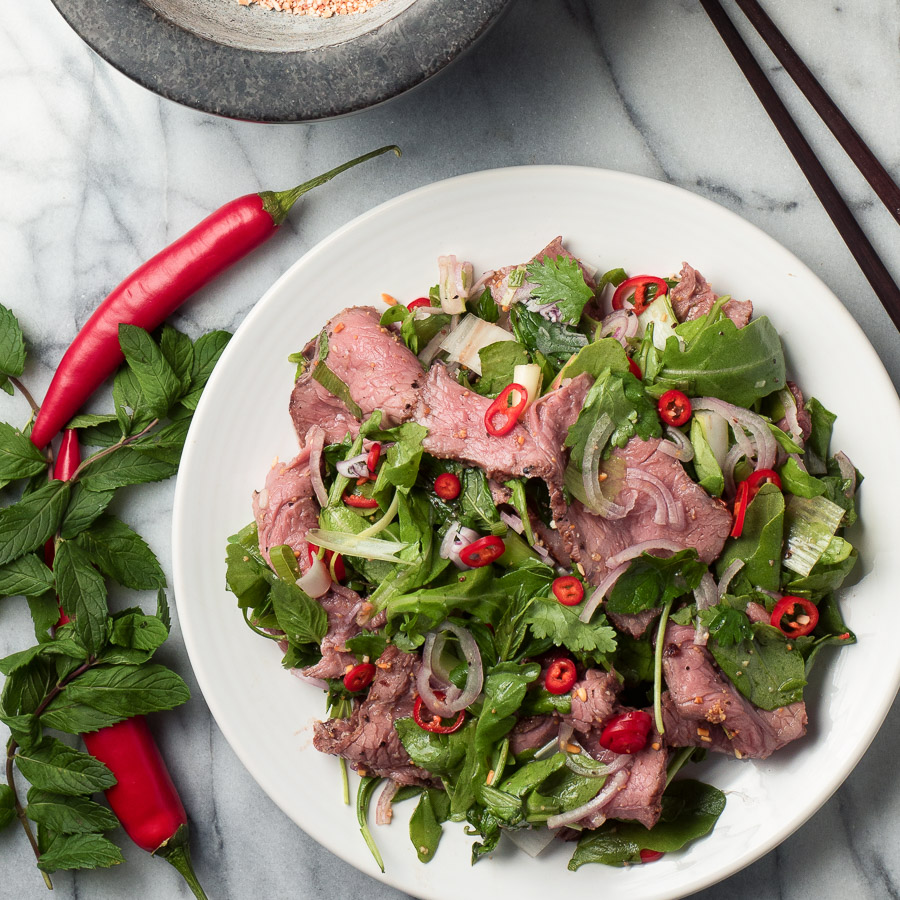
point(847, 763)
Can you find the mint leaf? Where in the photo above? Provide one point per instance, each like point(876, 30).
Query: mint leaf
point(165, 443)
point(178, 349)
point(26, 575)
point(19, 458)
point(207, 350)
point(26, 686)
point(80, 851)
point(7, 806)
point(12, 344)
point(123, 467)
point(71, 717)
point(162, 610)
point(550, 619)
point(130, 403)
point(121, 554)
point(560, 281)
point(128, 690)
point(25, 730)
point(158, 383)
point(138, 632)
point(54, 766)
point(26, 525)
point(85, 506)
point(16, 661)
point(82, 593)
point(68, 815)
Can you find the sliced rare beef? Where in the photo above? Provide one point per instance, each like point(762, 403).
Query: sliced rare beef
point(704, 709)
point(692, 297)
point(379, 370)
point(532, 732)
point(591, 539)
point(454, 417)
point(368, 739)
point(342, 606)
point(286, 508)
point(593, 700)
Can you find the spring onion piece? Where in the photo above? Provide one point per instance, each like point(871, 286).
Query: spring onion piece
point(473, 334)
point(334, 385)
point(316, 438)
point(316, 580)
point(529, 376)
point(354, 545)
point(384, 521)
point(454, 280)
point(811, 524)
point(284, 563)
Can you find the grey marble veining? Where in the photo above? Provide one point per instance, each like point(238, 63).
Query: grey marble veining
point(96, 174)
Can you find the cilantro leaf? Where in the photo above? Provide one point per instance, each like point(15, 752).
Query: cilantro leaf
point(560, 281)
point(550, 619)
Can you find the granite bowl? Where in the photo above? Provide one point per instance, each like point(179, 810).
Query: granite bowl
point(251, 63)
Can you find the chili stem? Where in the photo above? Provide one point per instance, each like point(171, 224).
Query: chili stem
point(278, 203)
point(657, 668)
point(124, 442)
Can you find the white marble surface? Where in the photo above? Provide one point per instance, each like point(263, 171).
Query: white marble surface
point(96, 174)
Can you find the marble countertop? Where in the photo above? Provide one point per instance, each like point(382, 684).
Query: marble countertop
point(97, 174)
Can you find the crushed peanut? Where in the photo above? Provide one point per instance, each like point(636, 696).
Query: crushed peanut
point(581, 694)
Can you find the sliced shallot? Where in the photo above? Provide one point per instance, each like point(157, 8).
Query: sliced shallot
point(668, 509)
point(682, 449)
point(590, 471)
point(727, 575)
point(384, 811)
point(636, 550)
point(455, 539)
point(609, 790)
point(602, 590)
point(620, 324)
point(762, 444)
point(316, 580)
point(454, 699)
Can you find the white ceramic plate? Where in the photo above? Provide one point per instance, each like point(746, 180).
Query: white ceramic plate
point(494, 218)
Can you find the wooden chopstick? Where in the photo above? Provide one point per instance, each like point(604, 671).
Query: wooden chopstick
point(856, 148)
point(854, 237)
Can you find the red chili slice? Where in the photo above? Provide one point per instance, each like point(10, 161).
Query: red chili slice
point(798, 623)
point(435, 724)
point(359, 677)
point(372, 458)
point(419, 301)
point(501, 408)
point(635, 369)
point(335, 562)
point(561, 676)
point(638, 285)
point(447, 486)
point(761, 477)
point(482, 552)
point(674, 408)
point(651, 855)
point(360, 502)
point(741, 502)
point(627, 732)
point(568, 590)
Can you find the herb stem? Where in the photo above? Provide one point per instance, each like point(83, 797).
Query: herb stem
point(680, 759)
point(20, 811)
point(124, 442)
point(25, 393)
point(657, 667)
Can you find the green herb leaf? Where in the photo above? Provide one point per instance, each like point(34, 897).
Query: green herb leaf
point(498, 361)
point(122, 467)
point(485, 307)
point(425, 825)
point(122, 554)
point(80, 851)
point(336, 386)
point(799, 482)
point(26, 575)
point(207, 350)
point(68, 815)
point(19, 458)
point(440, 754)
point(822, 423)
point(82, 593)
point(12, 344)
point(162, 610)
point(159, 384)
point(738, 365)
point(7, 806)
point(28, 524)
point(138, 632)
point(53, 766)
point(27, 685)
point(550, 619)
point(651, 582)
point(166, 443)
point(128, 690)
point(178, 350)
point(85, 506)
point(727, 625)
point(560, 281)
point(689, 811)
point(299, 616)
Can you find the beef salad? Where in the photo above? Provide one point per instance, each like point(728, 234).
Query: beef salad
point(551, 536)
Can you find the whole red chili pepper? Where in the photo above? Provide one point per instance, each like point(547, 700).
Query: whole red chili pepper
point(144, 798)
point(157, 288)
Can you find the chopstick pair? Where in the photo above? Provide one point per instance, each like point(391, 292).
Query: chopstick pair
point(881, 182)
